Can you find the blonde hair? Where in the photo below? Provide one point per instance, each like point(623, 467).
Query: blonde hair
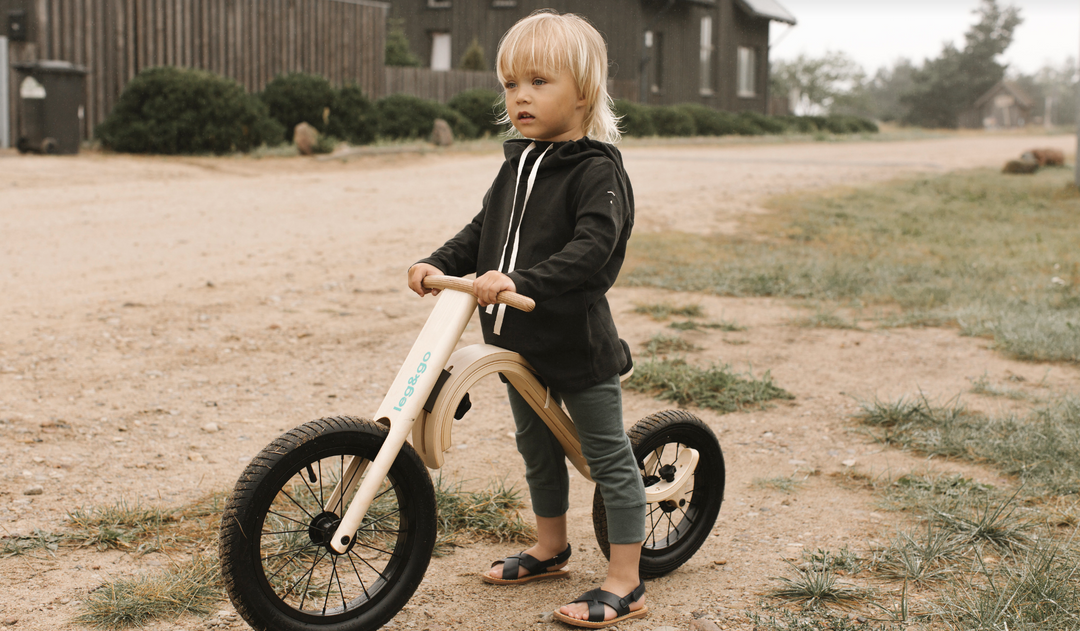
point(549, 42)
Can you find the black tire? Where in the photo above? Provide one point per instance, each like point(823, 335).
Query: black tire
point(674, 529)
point(277, 566)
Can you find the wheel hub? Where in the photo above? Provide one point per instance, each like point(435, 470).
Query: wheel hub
point(321, 531)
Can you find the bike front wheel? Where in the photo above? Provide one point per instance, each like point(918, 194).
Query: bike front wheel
point(674, 528)
point(279, 569)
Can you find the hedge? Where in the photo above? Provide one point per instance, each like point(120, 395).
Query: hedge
point(173, 110)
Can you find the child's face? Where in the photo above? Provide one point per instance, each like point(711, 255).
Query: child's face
point(545, 106)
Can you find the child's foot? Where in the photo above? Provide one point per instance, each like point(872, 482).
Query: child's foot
point(579, 609)
point(533, 564)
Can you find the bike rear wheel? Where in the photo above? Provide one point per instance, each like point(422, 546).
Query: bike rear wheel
point(674, 528)
point(278, 567)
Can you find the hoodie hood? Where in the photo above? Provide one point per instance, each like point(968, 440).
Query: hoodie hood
point(568, 153)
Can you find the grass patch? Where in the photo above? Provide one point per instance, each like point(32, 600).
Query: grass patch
point(194, 587)
point(694, 325)
point(661, 344)
point(981, 385)
point(38, 540)
point(970, 249)
point(812, 586)
point(492, 514)
point(118, 526)
point(826, 320)
point(782, 484)
point(663, 310)
point(715, 387)
point(1041, 449)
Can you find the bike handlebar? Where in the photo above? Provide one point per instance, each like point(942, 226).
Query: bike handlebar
point(517, 301)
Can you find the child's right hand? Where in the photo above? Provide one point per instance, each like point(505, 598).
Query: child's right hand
point(417, 273)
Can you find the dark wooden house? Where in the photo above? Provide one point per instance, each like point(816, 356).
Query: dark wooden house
point(1004, 106)
point(251, 41)
point(714, 52)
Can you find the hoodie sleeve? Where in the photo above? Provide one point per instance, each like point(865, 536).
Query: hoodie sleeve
point(602, 213)
point(457, 257)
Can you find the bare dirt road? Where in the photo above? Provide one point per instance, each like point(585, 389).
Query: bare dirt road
point(145, 298)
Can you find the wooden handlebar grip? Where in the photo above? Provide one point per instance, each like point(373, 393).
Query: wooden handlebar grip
point(517, 301)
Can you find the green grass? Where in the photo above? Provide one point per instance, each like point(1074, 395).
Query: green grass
point(1041, 449)
point(981, 385)
point(715, 387)
point(975, 249)
point(823, 319)
point(661, 344)
point(694, 325)
point(492, 514)
point(663, 310)
point(192, 587)
point(782, 484)
point(812, 586)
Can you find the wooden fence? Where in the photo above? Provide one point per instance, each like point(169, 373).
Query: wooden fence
point(251, 41)
point(436, 85)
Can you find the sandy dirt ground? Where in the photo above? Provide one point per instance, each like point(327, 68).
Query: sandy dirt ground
point(146, 298)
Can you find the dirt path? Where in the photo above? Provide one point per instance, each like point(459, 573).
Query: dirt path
point(145, 298)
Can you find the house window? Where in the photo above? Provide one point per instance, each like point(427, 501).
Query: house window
point(706, 55)
point(747, 72)
point(438, 4)
point(440, 51)
point(655, 43)
point(503, 4)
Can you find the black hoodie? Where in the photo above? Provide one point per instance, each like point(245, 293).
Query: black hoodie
point(562, 240)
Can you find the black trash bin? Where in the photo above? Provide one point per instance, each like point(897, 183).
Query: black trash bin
point(52, 104)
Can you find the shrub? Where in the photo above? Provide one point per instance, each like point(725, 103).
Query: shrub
point(473, 59)
point(352, 116)
point(710, 122)
point(173, 111)
point(672, 121)
point(801, 124)
point(403, 116)
point(481, 108)
point(397, 51)
point(634, 119)
point(766, 124)
point(299, 97)
point(847, 124)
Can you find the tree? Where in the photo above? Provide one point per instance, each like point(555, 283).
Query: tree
point(816, 84)
point(883, 92)
point(1056, 87)
point(946, 86)
point(398, 52)
point(473, 59)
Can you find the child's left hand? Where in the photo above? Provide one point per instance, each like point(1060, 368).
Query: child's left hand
point(488, 286)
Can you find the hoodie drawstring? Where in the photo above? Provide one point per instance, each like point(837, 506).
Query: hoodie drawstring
point(509, 267)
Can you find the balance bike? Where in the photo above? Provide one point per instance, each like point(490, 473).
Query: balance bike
point(332, 525)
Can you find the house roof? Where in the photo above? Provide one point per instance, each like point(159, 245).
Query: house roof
point(768, 9)
point(1006, 86)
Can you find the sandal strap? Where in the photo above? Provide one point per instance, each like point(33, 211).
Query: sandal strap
point(511, 564)
point(597, 598)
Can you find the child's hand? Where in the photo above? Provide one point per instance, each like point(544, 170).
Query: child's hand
point(416, 277)
point(488, 286)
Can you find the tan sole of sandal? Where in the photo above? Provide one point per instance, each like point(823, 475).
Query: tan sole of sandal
point(543, 576)
point(640, 613)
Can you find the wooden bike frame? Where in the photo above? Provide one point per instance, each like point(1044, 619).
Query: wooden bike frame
point(431, 384)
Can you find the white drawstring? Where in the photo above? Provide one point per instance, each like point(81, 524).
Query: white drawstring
point(517, 235)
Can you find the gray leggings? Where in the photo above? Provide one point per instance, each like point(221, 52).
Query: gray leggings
point(597, 415)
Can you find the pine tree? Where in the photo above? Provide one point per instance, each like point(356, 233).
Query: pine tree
point(946, 86)
point(398, 52)
point(473, 59)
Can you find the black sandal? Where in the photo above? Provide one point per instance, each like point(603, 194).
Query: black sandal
point(538, 570)
point(597, 598)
